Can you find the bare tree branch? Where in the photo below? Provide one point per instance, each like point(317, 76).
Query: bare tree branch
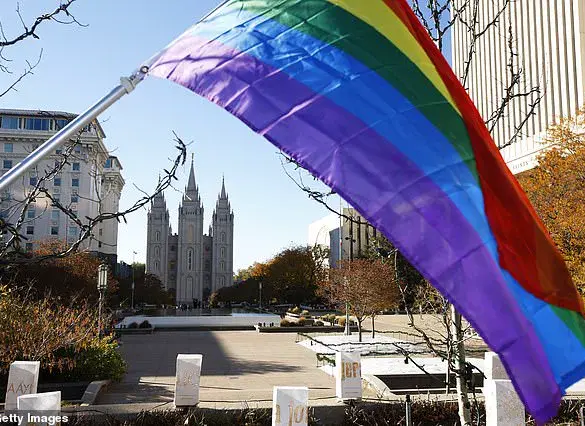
point(30, 30)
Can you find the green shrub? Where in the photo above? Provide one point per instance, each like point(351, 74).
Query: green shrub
point(305, 313)
point(319, 323)
point(144, 324)
point(301, 322)
point(284, 323)
point(340, 321)
point(99, 361)
point(296, 310)
point(133, 325)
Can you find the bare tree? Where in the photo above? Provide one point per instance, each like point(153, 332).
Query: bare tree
point(11, 235)
point(61, 14)
point(367, 286)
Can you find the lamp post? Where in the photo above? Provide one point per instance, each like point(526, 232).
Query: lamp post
point(134, 253)
point(101, 286)
point(260, 290)
point(347, 331)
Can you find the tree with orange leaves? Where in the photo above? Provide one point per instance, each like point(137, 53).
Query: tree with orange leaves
point(368, 286)
point(556, 189)
point(64, 277)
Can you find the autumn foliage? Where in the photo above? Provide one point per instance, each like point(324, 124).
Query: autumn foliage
point(69, 277)
point(63, 338)
point(291, 276)
point(368, 286)
point(556, 189)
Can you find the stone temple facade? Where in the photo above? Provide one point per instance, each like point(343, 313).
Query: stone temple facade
point(191, 263)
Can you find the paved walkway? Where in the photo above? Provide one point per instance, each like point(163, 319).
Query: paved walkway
point(237, 366)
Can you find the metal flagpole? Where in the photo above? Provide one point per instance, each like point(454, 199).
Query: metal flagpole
point(127, 85)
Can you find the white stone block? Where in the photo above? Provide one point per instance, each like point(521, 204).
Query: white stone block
point(40, 409)
point(23, 378)
point(348, 375)
point(290, 406)
point(502, 405)
point(188, 376)
point(493, 367)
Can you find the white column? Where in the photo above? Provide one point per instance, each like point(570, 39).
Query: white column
point(23, 378)
point(188, 376)
point(502, 405)
point(290, 406)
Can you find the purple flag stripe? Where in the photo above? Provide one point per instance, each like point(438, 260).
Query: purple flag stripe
point(381, 183)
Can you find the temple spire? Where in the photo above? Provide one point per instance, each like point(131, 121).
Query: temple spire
point(191, 191)
point(223, 193)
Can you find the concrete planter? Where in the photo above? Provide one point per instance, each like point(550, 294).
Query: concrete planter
point(148, 330)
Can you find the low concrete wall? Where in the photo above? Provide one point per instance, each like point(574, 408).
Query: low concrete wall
point(237, 320)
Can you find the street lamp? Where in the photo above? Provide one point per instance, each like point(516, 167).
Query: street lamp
point(101, 286)
point(134, 253)
point(260, 290)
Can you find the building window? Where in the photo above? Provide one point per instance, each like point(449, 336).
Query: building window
point(59, 151)
point(75, 182)
point(77, 149)
point(7, 164)
point(222, 266)
point(157, 236)
point(222, 252)
point(75, 167)
point(33, 180)
point(156, 251)
point(54, 230)
point(57, 198)
point(101, 232)
point(73, 231)
point(108, 163)
point(59, 124)
point(223, 237)
point(6, 195)
point(190, 260)
point(74, 198)
point(31, 213)
point(156, 266)
point(55, 214)
point(57, 181)
point(30, 230)
point(8, 147)
point(29, 247)
point(9, 122)
point(37, 124)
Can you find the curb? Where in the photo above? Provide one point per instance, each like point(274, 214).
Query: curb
point(92, 392)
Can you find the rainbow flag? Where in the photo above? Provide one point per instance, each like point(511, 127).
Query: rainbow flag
point(359, 95)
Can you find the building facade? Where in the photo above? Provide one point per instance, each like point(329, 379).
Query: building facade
point(190, 262)
point(90, 182)
point(346, 239)
point(550, 45)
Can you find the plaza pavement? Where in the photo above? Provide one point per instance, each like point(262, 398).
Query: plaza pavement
point(238, 366)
